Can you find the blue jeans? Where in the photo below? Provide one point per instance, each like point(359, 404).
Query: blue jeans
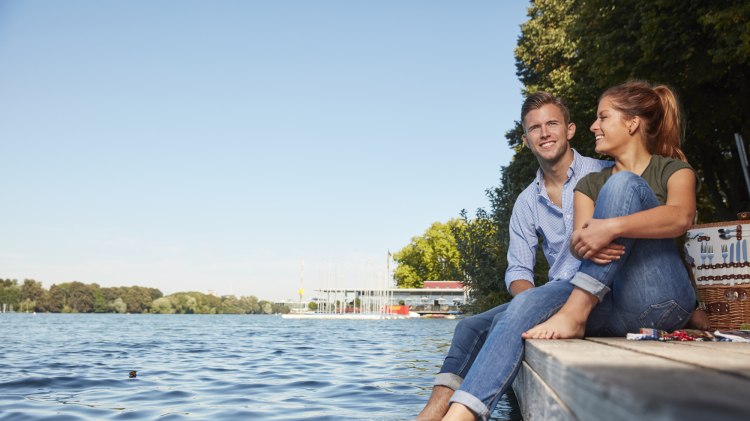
point(468, 339)
point(647, 287)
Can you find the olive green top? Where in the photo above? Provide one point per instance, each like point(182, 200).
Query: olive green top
point(656, 174)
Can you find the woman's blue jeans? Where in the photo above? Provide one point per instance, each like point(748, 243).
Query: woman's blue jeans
point(647, 287)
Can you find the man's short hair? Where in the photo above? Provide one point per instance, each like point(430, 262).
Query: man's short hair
point(540, 98)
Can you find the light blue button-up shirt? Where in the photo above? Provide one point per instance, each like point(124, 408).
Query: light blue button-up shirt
point(535, 216)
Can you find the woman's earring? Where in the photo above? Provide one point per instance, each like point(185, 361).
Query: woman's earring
point(630, 126)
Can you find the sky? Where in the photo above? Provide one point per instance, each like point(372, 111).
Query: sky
point(245, 147)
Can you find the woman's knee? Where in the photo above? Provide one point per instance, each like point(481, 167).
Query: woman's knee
point(621, 181)
point(623, 194)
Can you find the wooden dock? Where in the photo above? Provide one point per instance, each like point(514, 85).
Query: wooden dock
point(616, 379)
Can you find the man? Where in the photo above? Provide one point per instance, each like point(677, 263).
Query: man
point(544, 208)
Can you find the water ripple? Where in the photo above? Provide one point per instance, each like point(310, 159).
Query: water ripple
point(76, 367)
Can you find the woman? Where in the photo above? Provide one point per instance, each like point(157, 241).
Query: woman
point(625, 220)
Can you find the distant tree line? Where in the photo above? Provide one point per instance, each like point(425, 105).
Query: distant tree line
point(77, 297)
point(576, 49)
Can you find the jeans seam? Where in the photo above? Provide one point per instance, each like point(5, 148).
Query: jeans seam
point(605, 271)
point(518, 358)
point(468, 355)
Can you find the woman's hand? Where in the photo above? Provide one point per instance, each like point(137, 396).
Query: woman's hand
point(594, 241)
point(610, 252)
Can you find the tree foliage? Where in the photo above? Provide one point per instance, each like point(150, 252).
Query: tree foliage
point(432, 256)
point(576, 49)
point(699, 48)
point(77, 297)
point(483, 260)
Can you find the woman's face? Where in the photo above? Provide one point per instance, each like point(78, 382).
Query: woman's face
point(610, 129)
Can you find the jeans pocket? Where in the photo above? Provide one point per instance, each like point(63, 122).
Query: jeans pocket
point(664, 316)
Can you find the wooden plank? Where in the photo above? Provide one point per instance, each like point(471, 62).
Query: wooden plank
point(598, 381)
point(713, 357)
point(537, 400)
point(735, 347)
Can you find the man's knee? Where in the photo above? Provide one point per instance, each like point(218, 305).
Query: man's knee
point(472, 324)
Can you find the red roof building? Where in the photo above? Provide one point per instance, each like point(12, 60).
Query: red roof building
point(443, 284)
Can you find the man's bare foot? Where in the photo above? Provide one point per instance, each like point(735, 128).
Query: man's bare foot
point(437, 406)
point(559, 326)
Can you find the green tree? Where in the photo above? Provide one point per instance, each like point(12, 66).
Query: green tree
point(31, 290)
point(10, 293)
point(138, 299)
point(27, 306)
point(483, 260)
point(100, 302)
point(118, 305)
point(57, 298)
point(80, 297)
point(312, 306)
point(230, 305)
point(430, 257)
point(250, 305)
point(183, 303)
point(162, 305)
point(266, 307)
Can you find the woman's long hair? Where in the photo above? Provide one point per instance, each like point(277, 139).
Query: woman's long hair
point(659, 110)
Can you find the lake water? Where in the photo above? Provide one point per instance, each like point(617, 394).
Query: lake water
point(76, 366)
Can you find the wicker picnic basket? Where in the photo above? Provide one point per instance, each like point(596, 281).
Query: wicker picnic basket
point(718, 256)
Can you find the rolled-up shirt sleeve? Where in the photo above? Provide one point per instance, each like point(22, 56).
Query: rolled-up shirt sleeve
point(522, 245)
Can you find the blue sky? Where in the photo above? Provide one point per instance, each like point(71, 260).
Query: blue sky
point(220, 145)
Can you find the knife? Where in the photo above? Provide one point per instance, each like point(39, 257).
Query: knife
point(744, 250)
point(738, 250)
point(731, 253)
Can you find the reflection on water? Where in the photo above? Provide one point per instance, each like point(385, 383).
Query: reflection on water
point(76, 366)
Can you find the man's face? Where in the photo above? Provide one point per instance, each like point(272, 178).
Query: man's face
point(546, 134)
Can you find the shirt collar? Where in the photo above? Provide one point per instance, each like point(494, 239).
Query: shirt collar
point(577, 165)
point(575, 168)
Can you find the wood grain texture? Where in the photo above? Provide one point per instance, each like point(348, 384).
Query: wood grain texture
point(715, 356)
point(599, 381)
point(537, 401)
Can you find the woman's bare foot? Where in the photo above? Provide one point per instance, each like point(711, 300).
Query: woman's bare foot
point(569, 322)
point(559, 326)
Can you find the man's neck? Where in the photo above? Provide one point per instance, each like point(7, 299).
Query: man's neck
point(556, 173)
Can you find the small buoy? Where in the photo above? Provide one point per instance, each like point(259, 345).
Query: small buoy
point(133, 374)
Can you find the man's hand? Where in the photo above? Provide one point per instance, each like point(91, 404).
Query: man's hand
point(520, 285)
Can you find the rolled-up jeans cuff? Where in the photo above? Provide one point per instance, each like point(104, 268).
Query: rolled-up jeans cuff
point(450, 380)
point(589, 284)
point(472, 402)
